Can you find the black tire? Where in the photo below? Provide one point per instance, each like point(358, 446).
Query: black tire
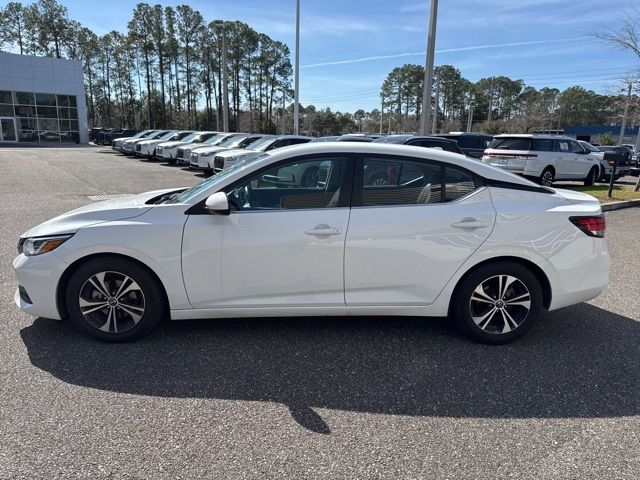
point(151, 299)
point(592, 177)
point(463, 306)
point(546, 177)
point(207, 171)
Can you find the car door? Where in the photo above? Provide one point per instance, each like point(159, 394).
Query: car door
point(565, 165)
point(282, 245)
point(581, 162)
point(413, 224)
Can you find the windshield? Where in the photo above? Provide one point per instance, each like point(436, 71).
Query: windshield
point(230, 140)
point(160, 135)
point(393, 139)
point(141, 134)
point(589, 147)
point(189, 193)
point(167, 136)
point(190, 137)
point(262, 144)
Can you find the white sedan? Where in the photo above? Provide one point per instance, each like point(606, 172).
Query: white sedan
point(384, 230)
point(168, 151)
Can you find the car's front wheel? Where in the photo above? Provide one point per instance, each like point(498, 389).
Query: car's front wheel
point(592, 177)
point(497, 303)
point(114, 299)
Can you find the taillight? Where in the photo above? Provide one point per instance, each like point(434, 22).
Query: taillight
point(592, 226)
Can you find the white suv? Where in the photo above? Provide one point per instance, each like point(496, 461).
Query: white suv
point(545, 158)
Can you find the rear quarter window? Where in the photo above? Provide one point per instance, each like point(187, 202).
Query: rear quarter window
point(511, 143)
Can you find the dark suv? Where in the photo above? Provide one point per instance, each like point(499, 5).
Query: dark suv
point(472, 144)
point(418, 141)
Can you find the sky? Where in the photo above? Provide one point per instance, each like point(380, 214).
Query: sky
point(347, 47)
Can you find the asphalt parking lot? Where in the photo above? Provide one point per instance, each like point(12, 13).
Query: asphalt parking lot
point(310, 398)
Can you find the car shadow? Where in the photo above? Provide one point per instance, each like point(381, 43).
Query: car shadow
point(581, 361)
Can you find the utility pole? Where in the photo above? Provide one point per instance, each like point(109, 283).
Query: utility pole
point(427, 84)
point(382, 115)
point(297, 72)
point(624, 116)
point(225, 86)
point(470, 116)
point(435, 108)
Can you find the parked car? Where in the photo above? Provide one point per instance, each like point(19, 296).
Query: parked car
point(202, 158)
point(147, 148)
point(108, 138)
point(183, 154)
point(621, 169)
point(344, 138)
point(104, 134)
point(420, 141)
point(473, 144)
point(168, 151)
point(446, 236)
point(129, 146)
point(93, 134)
point(230, 157)
point(543, 158)
point(605, 168)
point(118, 142)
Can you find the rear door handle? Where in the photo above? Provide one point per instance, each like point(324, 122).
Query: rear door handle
point(470, 224)
point(323, 230)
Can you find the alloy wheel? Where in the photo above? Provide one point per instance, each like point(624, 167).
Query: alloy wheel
point(500, 304)
point(547, 178)
point(111, 302)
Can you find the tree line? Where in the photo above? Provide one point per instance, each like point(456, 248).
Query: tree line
point(165, 70)
point(500, 104)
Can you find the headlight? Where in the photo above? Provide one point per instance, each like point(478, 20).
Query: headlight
point(39, 245)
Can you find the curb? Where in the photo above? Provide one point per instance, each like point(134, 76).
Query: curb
point(607, 207)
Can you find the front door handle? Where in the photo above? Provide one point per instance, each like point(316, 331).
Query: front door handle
point(470, 224)
point(323, 230)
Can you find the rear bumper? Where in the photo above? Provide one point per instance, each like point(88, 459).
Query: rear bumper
point(579, 272)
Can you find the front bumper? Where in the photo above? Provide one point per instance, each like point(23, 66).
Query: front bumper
point(38, 276)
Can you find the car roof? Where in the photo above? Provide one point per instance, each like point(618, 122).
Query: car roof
point(463, 134)
point(533, 135)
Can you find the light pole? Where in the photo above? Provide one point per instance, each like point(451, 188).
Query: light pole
point(296, 95)
point(624, 116)
point(427, 85)
point(470, 117)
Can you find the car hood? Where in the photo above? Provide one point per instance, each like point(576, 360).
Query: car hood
point(236, 152)
point(106, 211)
point(201, 150)
point(174, 143)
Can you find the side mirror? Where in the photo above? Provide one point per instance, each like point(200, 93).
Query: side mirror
point(218, 203)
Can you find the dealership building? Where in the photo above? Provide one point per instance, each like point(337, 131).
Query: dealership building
point(42, 100)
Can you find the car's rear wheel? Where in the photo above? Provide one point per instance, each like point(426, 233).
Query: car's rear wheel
point(592, 177)
point(497, 303)
point(114, 299)
point(546, 178)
